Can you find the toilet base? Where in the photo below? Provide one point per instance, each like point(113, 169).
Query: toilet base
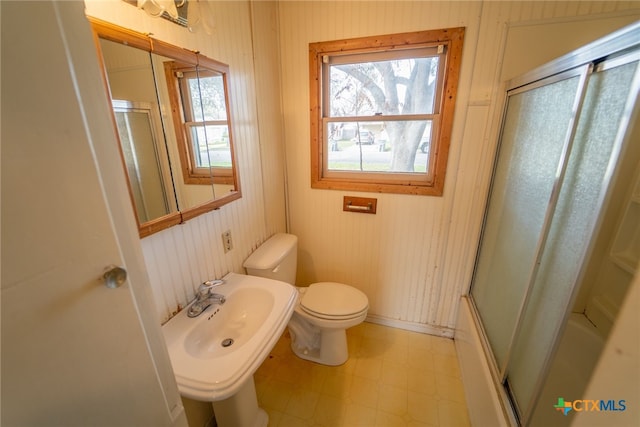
point(333, 350)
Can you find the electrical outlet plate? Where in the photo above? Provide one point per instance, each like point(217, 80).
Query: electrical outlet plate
point(227, 243)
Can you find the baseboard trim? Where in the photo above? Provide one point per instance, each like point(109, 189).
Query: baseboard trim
point(411, 326)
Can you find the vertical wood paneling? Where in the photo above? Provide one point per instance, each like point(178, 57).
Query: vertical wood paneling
point(415, 256)
point(268, 93)
point(392, 256)
point(180, 258)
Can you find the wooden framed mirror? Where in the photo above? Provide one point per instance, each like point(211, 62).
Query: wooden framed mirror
point(172, 116)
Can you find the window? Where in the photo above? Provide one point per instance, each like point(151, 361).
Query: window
point(200, 105)
point(382, 111)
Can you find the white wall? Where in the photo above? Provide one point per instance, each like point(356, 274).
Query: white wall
point(422, 247)
point(414, 258)
point(180, 258)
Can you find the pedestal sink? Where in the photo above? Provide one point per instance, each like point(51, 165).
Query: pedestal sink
point(215, 355)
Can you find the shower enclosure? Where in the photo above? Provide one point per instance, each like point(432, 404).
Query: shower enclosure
point(565, 159)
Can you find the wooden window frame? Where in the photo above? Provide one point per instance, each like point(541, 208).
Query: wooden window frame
point(429, 183)
point(182, 118)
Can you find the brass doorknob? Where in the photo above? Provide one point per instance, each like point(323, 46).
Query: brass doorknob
point(114, 276)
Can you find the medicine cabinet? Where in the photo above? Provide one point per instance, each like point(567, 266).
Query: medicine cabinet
point(172, 116)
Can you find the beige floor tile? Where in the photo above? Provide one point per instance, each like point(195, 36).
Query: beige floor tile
point(395, 374)
point(302, 404)
point(357, 330)
point(359, 416)
point(420, 341)
point(309, 379)
point(397, 351)
point(371, 348)
point(422, 381)
point(384, 419)
point(373, 330)
point(448, 364)
point(261, 384)
point(423, 408)
point(294, 372)
point(393, 400)
point(330, 411)
point(369, 368)
point(449, 388)
point(276, 395)
point(353, 344)
point(268, 367)
point(291, 421)
point(283, 346)
point(346, 368)
point(420, 358)
point(400, 334)
point(414, 423)
point(337, 386)
point(393, 378)
point(443, 346)
point(364, 392)
point(274, 417)
point(452, 414)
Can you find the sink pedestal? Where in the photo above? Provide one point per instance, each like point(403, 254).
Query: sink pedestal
point(241, 409)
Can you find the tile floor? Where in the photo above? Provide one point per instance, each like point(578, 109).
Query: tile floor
point(393, 378)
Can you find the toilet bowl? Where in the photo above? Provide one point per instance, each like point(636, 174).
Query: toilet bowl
point(320, 320)
point(324, 311)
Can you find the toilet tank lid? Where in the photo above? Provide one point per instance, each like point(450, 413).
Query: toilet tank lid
point(272, 252)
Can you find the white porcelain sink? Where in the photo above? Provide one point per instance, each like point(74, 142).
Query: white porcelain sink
point(213, 355)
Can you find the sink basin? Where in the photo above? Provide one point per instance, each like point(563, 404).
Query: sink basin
point(229, 327)
point(213, 355)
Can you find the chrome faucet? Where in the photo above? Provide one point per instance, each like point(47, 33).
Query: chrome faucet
point(205, 297)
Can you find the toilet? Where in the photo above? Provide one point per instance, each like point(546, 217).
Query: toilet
point(324, 310)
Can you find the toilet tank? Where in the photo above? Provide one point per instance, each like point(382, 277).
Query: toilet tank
point(275, 259)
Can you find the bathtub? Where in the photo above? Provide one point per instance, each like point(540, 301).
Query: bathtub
point(484, 400)
point(571, 369)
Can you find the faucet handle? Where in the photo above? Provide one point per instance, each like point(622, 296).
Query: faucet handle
point(206, 286)
point(212, 283)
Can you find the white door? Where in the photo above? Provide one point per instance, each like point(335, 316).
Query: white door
point(74, 352)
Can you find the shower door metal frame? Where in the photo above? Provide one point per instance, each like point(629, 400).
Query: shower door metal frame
point(583, 72)
point(632, 107)
point(151, 111)
point(595, 57)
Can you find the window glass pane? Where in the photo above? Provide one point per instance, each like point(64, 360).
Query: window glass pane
point(211, 88)
point(405, 86)
point(210, 145)
point(384, 146)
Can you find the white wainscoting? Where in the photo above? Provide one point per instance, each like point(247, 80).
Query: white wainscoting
point(414, 258)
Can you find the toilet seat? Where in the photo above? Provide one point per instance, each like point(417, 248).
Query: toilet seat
point(333, 301)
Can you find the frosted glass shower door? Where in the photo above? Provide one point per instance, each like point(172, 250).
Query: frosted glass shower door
point(593, 156)
point(537, 123)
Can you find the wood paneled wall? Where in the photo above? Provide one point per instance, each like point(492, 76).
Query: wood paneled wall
point(180, 258)
point(414, 258)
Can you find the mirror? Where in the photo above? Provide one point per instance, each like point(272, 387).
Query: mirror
point(171, 113)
